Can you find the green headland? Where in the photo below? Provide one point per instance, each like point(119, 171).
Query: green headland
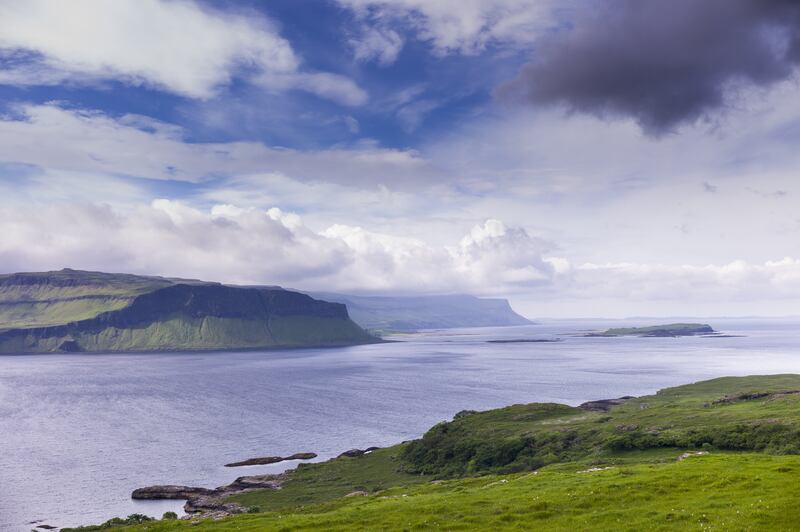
point(75, 311)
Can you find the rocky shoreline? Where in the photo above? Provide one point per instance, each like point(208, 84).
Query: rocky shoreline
point(210, 503)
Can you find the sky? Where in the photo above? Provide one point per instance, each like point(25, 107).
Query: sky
point(579, 157)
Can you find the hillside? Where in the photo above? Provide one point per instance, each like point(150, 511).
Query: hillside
point(73, 310)
point(404, 314)
point(719, 454)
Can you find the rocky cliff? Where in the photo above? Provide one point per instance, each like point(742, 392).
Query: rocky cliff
point(412, 313)
point(73, 311)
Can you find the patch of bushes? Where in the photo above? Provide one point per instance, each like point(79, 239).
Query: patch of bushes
point(775, 438)
point(450, 450)
point(133, 519)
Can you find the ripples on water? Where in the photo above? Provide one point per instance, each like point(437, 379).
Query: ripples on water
point(79, 432)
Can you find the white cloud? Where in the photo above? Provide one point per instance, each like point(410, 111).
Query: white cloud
point(377, 43)
point(246, 245)
point(462, 26)
point(52, 137)
point(237, 244)
point(177, 46)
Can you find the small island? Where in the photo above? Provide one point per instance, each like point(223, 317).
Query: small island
point(670, 330)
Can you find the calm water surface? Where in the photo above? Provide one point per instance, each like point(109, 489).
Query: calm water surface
point(79, 432)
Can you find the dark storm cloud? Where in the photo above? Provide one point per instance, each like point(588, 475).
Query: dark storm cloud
point(663, 63)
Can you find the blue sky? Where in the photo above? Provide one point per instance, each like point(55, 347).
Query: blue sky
point(417, 96)
point(581, 157)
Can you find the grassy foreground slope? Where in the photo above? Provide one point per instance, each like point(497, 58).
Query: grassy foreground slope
point(73, 311)
point(547, 466)
point(725, 492)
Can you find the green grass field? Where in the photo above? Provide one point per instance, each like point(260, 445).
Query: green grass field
point(554, 467)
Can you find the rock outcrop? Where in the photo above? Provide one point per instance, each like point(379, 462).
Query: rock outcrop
point(210, 502)
point(265, 460)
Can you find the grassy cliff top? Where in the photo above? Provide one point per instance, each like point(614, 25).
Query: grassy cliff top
point(54, 298)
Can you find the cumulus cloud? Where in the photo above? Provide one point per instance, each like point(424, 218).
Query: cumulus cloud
point(246, 245)
point(663, 64)
point(253, 246)
point(461, 26)
point(178, 46)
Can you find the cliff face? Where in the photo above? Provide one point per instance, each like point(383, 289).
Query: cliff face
point(82, 311)
point(427, 312)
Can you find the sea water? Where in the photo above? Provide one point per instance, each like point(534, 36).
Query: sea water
point(79, 432)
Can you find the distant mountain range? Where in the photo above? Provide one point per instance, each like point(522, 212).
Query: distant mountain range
point(73, 311)
point(402, 314)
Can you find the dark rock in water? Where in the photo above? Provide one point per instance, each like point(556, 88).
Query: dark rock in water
point(257, 461)
point(604, 405)
point(169, 492)
point(525, 341)
point(272, 459)
point(47, 527)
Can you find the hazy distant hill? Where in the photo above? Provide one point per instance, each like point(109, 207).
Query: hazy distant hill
point(72, 310)
point(426, 312)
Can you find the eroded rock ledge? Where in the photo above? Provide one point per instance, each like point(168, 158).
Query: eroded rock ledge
point(209, 502)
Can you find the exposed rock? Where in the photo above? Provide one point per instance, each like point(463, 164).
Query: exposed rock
point(210, 503)
point(358, 493)
point(169, 492)
point(753, 396)
point(353, 453)
point(272, 459)
point(604, 405)
point(254, 482)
